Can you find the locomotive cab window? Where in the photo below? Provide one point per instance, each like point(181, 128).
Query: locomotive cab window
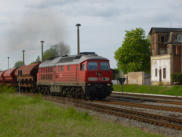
point(104, 66)
point(92, 66)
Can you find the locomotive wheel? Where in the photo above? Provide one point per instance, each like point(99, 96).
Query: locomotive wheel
point(79, 93)
point(64, 92)
point(69, 91)
point(42, 90)
point(46, 90)
point(38, 89)
point(73, 94)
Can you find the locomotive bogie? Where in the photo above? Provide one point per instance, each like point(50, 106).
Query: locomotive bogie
point(98, 91)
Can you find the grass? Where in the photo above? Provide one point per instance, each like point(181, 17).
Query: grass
point(25, 116)
point(7, 89)
point(165, 90)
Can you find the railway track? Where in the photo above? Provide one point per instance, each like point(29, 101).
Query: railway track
point(154, 119)
point(149, 98)
point(159, 120)
point(147, 106)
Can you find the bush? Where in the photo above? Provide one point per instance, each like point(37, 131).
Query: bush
point(7, 89)
point(177, 78)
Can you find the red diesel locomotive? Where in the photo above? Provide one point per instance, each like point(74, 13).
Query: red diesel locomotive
point(86, 75)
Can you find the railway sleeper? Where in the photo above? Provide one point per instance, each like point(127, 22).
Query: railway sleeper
point(131, 116)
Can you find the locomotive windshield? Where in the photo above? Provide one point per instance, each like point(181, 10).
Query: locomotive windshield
point(104, 65)
point(92, 66)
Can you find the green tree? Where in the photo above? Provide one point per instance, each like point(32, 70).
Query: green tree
point(59, 49)
point(18, 64)
point(37, 59)
point(134, 54)
point(50, 53)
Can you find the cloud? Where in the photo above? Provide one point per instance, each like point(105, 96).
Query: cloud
point(25, 23)
point(43, 4)
point(33, 27)
point(102, 8)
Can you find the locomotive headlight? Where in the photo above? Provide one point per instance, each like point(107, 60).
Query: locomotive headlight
point(108, 84)
point(92, 78)
point(105, 78)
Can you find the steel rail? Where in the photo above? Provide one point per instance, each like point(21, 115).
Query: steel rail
point(131, 114)
point(148, 96)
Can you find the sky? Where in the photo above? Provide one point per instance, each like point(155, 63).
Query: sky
point(24, 23)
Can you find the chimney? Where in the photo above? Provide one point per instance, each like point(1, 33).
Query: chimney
point(23, 57)
point(78, 38)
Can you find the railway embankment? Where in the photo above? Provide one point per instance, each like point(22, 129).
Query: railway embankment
point(22, 115)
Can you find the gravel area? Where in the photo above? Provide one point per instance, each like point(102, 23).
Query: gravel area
point(146, 102)
point(151, 111)
point(162, 104)
point(148, 98)
point(133, 123)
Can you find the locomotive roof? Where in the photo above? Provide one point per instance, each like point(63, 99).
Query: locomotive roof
point(73, 59)
point(51, 62)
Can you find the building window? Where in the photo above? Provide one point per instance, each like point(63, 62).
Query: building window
point(156, 72)
point(179, 38)
point(162, 38)
point(164, 73)
point(177, 50)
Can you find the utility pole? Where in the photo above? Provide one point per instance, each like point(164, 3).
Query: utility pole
point(23, 57)
point(42, 44)
point(78, 38)
point(8, 62)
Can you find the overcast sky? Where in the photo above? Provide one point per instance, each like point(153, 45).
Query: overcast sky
point(23, 23)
